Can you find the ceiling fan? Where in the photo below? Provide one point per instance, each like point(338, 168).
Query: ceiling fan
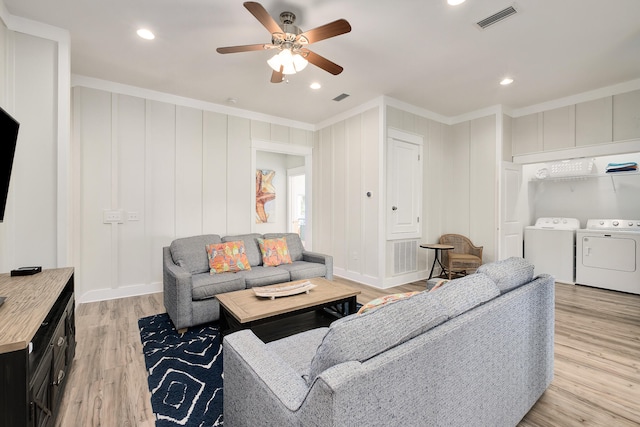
point(291, 42)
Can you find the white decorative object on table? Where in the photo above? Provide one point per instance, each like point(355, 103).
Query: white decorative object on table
point(283, 291)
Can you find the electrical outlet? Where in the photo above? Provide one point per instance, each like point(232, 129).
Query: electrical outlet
point(112, 217)
point(133, 216)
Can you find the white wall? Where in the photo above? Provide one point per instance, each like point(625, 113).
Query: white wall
point(346, 222)
point(178, 169)
point(433, 211)
point(34, 71)
point(459, 193)
point(4, 81)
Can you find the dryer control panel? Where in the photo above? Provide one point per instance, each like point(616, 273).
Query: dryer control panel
point(558, 223)
point(614, 224)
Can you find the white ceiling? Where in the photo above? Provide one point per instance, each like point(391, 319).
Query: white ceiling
point(423, 52)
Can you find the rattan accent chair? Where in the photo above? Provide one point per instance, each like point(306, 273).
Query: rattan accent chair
point(464, 258)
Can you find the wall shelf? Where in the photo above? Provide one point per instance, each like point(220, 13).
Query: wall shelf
point(589, 176)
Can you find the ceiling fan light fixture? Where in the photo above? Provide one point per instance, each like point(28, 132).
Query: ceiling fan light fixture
point(299, 62)
point(290, 62)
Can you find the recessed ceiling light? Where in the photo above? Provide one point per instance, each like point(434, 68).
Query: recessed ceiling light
point(455, 2)
point(146, 34)
point(506, 81)
point(315, 85)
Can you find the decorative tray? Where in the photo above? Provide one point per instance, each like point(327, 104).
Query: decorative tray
point(283, 291)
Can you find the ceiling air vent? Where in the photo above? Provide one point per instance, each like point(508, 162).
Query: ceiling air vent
point(341, 97)
point(499, 16)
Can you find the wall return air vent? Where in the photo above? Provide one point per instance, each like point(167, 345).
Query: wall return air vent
point(498, 16)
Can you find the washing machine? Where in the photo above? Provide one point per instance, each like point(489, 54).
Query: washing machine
point(608, 255)
point(550, 245)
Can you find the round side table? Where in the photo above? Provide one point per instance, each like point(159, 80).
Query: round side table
point(438, 248)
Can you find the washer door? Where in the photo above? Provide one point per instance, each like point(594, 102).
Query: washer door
point(610, 253)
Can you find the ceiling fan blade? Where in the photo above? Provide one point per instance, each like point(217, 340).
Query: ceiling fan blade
point(263, 16)
point(277, 76)
point(324, 63)
point(326, 31)
point(245, 48)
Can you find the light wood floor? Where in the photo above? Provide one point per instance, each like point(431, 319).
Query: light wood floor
point(596, 382)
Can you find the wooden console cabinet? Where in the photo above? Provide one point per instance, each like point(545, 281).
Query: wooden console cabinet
point(37, 345)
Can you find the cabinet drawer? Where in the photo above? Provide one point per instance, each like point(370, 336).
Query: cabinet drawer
point(58, 379)
point(59, 341)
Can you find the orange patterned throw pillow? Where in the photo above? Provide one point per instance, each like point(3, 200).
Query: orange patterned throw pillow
point(274, 251)
point(227, 257)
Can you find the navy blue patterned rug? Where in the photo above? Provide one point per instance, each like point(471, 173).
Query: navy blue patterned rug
point(185, 372)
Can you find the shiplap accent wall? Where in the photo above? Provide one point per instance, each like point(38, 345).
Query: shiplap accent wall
point(459, 168)
point(470, 198)
point(434, 184)
point(347, 157)
point(180, 170)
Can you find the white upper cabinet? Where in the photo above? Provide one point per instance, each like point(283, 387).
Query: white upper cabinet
point(601, 121)
point(559, 127)
point(527, 137)
point(594, 121)
point(626, 116)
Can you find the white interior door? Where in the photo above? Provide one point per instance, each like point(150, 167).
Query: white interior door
point(404, 185)
point(511, 226)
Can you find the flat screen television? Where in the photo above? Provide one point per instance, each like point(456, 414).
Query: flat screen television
point(8, 138)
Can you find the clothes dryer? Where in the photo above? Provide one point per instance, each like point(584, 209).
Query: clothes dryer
point(550, 246)
point(608, 255)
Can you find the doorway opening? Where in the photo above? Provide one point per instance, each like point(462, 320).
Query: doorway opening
point(292, 163)
point(296, 222)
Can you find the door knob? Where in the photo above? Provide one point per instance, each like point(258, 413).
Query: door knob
point(394, 208)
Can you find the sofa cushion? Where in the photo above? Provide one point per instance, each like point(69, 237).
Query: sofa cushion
point(508, 273)
point(250, 245)
point(465, 293)
point(205, 286)
point(274, 251)
point(299, 270)
point(227, 257)
point(298, 350)
point(361, 337)
point(294, 244)
point(190, 253)
point(263, 276)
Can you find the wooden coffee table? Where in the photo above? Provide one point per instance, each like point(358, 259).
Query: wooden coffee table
point(243, 309)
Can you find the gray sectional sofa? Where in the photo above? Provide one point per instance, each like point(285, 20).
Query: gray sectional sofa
point(478, 351)
point(189, 289)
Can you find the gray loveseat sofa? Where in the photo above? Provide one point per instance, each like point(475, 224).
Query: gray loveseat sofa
point(189, 289)
point(478, 351)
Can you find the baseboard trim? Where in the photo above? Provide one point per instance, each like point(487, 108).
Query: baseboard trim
point(123, 292)
point(376, 282)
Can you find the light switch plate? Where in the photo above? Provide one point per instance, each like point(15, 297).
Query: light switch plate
point(112, 217)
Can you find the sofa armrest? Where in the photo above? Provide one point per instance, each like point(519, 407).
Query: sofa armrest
point(177, 287)
point(327, 260)
point(252, 369)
